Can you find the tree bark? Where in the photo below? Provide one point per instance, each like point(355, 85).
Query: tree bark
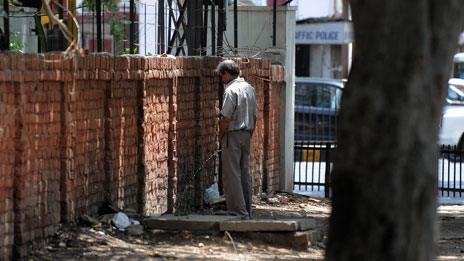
point(384, 182)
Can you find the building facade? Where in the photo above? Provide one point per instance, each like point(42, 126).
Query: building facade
point(323, 38)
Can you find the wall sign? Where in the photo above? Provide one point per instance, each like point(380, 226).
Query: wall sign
point(324, 33)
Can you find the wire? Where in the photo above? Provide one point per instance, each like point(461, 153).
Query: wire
point(151, 25)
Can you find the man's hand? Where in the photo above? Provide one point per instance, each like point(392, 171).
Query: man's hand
point(254, 126)
point(223, 126)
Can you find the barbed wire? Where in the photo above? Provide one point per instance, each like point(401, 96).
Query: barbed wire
point(150, 26)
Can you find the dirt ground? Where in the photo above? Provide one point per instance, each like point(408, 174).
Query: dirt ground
point(451, 226)
point(106, 243)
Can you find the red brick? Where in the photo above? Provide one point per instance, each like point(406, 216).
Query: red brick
point(182, 116)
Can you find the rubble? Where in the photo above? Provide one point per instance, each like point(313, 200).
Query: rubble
point(135, 230)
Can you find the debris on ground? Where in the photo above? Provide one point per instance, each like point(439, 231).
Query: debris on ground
point(211, 194)
point(121, 221)
point(87, 220)
point(106, 242)
point(135, 230)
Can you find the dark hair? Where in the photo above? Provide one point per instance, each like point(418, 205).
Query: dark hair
point(228, 66)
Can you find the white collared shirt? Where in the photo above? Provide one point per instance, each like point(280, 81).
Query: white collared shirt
point(239, 105)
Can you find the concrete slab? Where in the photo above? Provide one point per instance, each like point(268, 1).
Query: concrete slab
point(297, 239)
point(189, 222)
point(268, 225)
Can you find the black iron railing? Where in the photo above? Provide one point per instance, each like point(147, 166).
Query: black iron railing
point(450, 171)
point(313, 164)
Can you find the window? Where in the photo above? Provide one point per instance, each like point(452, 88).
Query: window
point(459, 70)
point(455, 95)
point(302, 60)
point(336, 61)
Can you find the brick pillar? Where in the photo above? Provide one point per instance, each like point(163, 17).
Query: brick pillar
point(38, 145)
point(8, 138)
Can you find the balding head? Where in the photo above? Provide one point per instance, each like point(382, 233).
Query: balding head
point(228, 66)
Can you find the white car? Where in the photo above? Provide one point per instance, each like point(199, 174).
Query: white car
point(452, 123)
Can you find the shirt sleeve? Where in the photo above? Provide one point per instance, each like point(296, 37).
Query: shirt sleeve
point(228, 104)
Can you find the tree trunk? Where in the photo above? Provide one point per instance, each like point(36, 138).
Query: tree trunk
point(384, 182)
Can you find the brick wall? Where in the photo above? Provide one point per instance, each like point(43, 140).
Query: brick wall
point(209, 111)
point(8, 135)
point(273, 103)
point(76, 132)
point(123, 136)
point(256, 72)
point(37, 152)
point(156, 126)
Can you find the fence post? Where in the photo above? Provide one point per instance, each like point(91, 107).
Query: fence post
point(99, 25)
point(132, 27)
point(220, 28)
point(213, 28)
point(161, 25)
point(6, 25)
point(328, 159)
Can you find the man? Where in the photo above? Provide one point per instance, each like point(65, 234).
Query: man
point(236, 126)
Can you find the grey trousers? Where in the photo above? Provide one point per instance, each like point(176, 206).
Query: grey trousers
point(235, 171)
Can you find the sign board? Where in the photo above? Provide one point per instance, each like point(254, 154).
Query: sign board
point(324, 33)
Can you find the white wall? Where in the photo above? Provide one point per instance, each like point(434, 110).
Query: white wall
point(322, 64)
point(148, 27)
point(22, 27)
point(288, 121)
point(254, 27)
point(317, 55)
point(317, 8)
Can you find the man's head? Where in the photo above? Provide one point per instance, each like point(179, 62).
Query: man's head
point(228, 70)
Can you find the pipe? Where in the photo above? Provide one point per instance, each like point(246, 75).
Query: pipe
point(236, 26)
point(274, 26)
point(6, 24)
point(99, 25)
point(132, 27)
point(161, 25)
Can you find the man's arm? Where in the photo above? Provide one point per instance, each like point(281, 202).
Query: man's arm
point(228, 108)
point(223, 126)
point(254, 126)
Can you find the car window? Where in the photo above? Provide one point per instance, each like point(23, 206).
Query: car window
point(336, 100)
point(459, 70)
point(459, 87)
point(455, 95)
point(317, 95)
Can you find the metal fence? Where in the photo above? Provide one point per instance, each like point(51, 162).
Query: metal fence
point(313, 164)
point(146, 27)
point(450, 171)
point(151, 27)
point(142, 28)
